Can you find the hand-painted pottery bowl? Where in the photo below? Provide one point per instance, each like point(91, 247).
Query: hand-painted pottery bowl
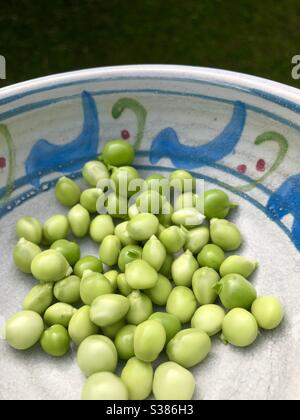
point(235, 131)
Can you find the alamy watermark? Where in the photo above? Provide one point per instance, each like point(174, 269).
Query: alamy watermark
point(296, 69)
point(2, 67)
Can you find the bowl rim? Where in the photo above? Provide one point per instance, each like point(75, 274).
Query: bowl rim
point(282, 94)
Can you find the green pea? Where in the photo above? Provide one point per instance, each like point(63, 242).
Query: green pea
point(93, 285)
point(170, 322)
point(133, 211)
point(173, 382)
point(124, 342)
point(160, 292)
point(182, 181)
point(189, 347)
point(186, 200)
point(112, 276)
point(55, 341)
point(165, 216)
point(122, 177)
point(70, 250)
point(104, 386)
point(24, 253)
point(67, 290)
point(217, 204)
point(122, 233)
point(149, 340)
point(93, 172)
point(209, 318)
point(203, 281)
point(50, 266)
point(59, 313)
point(182, 303)
point(225, 234)
point(154, 253)
point(112, 330)
point(108, 309)
point(88, 263)
point(143, 226)
point(268, 312)
point(57, 227)
point(150, 201)
point(239, 265)
point(140, 307)
point(30, 229)
point(23, 330)
point(101, 227)
point(211, 256)
point(89, 198)
point(116, 205)
point(118, 153)
point(109, 250)
point(123, 285)
point(138, 377)
point(173, 238)
point(140, 275)
point(196, 239)
point(187, 217)
point(239, 328)
point(183, 269)
point(67, 192)
point(81, 326)
point(157, 182)
point(97, 353)
point(39, 298)
point(79, 219)
point(235, 292)
point(167, 266)
point(128, 254)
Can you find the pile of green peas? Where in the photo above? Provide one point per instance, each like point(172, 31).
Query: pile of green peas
point(158, 285)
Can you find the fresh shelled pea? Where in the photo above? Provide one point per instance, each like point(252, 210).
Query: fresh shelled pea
point(67, 290)
point(30, 229)
point(211, 256)
point(112, 330)
point(235, 292)
point(109, 250)
point(39, 298)
point(122, 233)
point(59, 313)
point(79, 219)
point(23, 330)
point(166, 268)
point(188, 217)
point(173, 238)
point(182, 181)
point(138, 377)
point(55, 341)
point(112, 276)
point(93, 172)
point(203, 281)
point(81, 326)
point(124, 342)
point(101, 227)
point(208, 318)
point(189, 347)
point(149, 201)
point(140, 275)
point(170, 322)
point(183, 269)
point(55, 228)
point(67, 192)
point(217, 204)
point(115, 205)
point(128, 254)
point(122, 177)
point(186, 200)
point(97, 353)
point(104, 386)
point(173, 382)
point(70, 250)
point(182, 303)
point(165, 216)
point(93, 285)
point(268, 312)
point(239, 328)
point(108, 309)
point(89, 198)
point(117, 153)
point(24, 253)
point(50, 266)
point(123, 285)
point(149, 340)
point(238, 265)
point(140, 307)
point(88, 263)
point(154, 253)
point(143, 226)
point(196, 239)
point(160, 292)
point(225, 234)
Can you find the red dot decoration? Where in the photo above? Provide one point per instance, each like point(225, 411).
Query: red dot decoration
point(2, 162)
point(125, 134)
point(242, 168)
point(261, 165)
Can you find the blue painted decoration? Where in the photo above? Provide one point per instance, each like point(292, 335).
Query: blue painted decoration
point(67, 157)
point(166, 144)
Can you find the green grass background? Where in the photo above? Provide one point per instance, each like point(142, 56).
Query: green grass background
point(42, 37)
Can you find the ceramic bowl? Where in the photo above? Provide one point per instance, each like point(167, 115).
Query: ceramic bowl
point(235, 131)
